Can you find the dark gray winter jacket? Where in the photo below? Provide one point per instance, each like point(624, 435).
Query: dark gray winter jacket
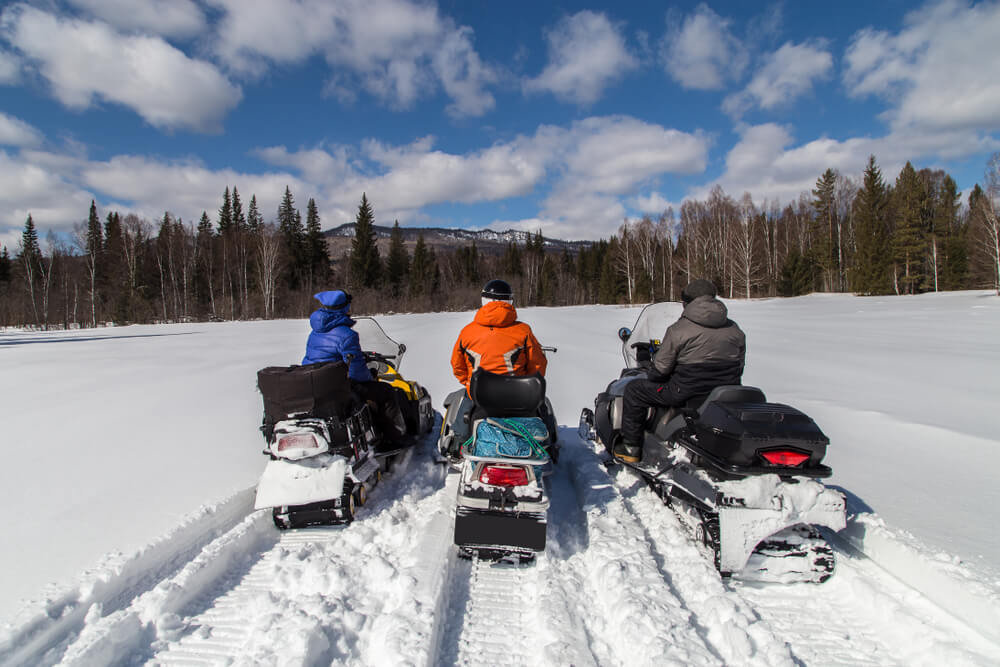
point(702, 350)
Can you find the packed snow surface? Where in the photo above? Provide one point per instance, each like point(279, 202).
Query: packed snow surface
point(132, 453)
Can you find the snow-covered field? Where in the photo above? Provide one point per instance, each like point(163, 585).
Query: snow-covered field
point(130, 453)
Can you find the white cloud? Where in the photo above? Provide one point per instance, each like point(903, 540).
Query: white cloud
point(701, 51)
point(652, 204)
point(397, 50)
point(938, 73)
point(85, 60)
point(785, 75)
point(10, 68)
point(15, 132)
point(171, 18)
point(588, 172)
point(586, 53)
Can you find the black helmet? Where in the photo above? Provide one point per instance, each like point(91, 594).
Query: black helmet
point(696, 288)
point(498, 289)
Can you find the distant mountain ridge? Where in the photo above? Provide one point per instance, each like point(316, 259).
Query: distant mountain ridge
point(440, 236)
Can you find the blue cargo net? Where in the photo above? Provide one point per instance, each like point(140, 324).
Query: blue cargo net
point(510, 437)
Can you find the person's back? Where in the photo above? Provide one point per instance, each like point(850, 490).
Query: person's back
point(332, 338)
point(702, 350)
point(495, 340)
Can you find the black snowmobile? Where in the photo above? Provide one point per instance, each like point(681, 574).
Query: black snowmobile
point(326, 449)
point(742, 473)
point(502, 503)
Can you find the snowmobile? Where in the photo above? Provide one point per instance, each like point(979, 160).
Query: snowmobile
point(742, 473)
point(326, 450)
point(502, 503)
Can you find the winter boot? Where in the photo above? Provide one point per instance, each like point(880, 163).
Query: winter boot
point(626, 451)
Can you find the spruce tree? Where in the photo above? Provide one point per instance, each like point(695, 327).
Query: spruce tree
point(397, 263)
point(318, 255)
point(239, 220)
point(226, 213)
point(254, 219)
point(293, 238)
point(421, 271)
point(871, 268)
point(823, 243)
point(95, 242)
point(365, 264)
point(908, 243)
point(4, 266)
point(796, 275)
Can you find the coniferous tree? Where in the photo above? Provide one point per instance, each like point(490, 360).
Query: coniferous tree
point(293, 239)
point(205, 263)
point(421, 271)
point(31, 258)
point(824, 224)
point(254, 218)
point(908, 242)
point(94, 247)
point(316, 250)
point(949, 252)
point(871, 267)
point(796, 275)
point(4, 266)
point(365, 263)
point(397, 263)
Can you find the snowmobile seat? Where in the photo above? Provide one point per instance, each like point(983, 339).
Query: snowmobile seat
point(733, 393)
point(505, 395)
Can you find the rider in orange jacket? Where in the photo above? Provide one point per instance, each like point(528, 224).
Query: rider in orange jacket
point(495, 340)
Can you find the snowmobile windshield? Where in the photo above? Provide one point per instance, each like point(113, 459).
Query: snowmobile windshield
point(374, 339)
point(651, 325)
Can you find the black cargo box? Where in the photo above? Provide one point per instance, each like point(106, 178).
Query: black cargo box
point(319, 390)
point(735, 432)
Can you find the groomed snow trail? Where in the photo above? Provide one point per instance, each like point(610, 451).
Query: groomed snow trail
point(861, 616)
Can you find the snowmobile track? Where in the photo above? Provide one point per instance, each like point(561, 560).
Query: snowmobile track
point(492, 614)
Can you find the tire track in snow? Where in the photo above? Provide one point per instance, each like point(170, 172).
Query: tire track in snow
point(254, 595)
point(633, 616)
point(861, 616)
point(864, 616)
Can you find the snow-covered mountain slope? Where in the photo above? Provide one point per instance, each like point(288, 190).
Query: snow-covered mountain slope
point(123, 433)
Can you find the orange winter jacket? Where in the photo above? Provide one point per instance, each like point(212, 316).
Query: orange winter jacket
point(496, 342)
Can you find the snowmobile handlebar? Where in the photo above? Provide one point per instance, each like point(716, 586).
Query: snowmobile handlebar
point(549, 349)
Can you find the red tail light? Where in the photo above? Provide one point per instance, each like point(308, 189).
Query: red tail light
point(500, 475)
point(298, 441)
point(781, 457)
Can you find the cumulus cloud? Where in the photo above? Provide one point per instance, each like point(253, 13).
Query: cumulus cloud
point(700, 51)
point(589, 172)
point(170, 18)
point(938, 72)
point(586, 53)
point(15, 132)
point(397, 50)
point(85, 61)
point(784, 75)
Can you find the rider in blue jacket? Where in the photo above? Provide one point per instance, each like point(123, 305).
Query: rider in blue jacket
point(333, 339)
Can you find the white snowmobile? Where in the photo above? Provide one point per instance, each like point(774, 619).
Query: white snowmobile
point(742, 473)
point(502, 503)
point(326, 450)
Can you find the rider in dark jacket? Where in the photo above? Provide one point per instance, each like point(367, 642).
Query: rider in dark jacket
point(702, 350)
point(333, 339)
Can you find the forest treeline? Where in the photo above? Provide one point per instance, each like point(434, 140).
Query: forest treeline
point(870, 237)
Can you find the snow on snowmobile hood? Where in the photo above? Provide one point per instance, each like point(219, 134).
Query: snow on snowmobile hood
point(324, 320)
point(707, 311)
point(496, 314)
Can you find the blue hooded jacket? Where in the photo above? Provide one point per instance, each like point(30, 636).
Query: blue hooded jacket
point(332, 336)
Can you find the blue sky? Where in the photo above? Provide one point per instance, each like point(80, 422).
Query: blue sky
point(563, 116)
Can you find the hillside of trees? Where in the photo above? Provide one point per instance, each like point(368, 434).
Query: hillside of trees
point(872, 237)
